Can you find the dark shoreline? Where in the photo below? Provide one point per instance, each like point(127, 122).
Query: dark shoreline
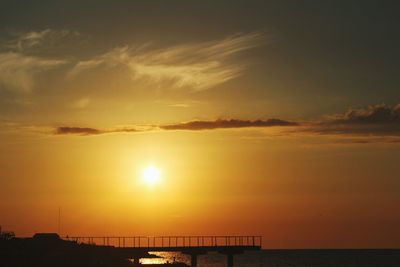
point(50, 250)
point(53, 251)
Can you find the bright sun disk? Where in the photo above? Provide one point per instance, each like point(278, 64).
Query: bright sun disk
point(151, 175)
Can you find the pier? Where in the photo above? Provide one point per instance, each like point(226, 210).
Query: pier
point(190, 245)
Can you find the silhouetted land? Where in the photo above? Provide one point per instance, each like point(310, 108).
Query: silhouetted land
point(50, 250)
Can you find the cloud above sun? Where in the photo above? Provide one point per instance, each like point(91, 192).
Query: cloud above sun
point(18, 71)
point(43, 41)
point(195, 66)
point(28, 54)
point(198, 66)
point(377, 123)
point(375, 120)
point(191, 66)
point(189, 126)
point(226, 124)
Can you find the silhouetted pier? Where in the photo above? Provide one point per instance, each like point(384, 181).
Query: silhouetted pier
point(190, 245)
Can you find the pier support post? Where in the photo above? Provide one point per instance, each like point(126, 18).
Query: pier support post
point(229, 255)
point(229, 260)
point(193, 255)
point(193, 260)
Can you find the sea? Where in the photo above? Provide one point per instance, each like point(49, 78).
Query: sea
point(292, 258)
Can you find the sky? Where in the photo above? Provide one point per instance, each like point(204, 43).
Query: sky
point(272, 118)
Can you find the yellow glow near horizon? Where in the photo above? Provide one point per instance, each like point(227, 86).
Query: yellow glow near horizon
point(151, 175)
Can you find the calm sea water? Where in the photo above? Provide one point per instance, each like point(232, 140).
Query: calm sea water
point(295, 258)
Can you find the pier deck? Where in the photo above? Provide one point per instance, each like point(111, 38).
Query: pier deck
point(191, 245)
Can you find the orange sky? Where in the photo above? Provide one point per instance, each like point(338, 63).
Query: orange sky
point(273, 119)
point(294, 193)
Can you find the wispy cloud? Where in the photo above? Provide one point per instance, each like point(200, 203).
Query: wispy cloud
point(80, 103)
point(24, 56)
point(179, 105)
point(17, 71)
point(198, 66)
point(195, 66)
point(42, 40)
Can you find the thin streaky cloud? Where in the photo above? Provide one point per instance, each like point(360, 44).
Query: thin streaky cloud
point(179, 105)
point(80, 103)
point(24, 56)
point(31, 39)
point(191, 126)
point(73, 130)
point(42, 40)
point(77, 130)
point(198, 66)
point(224, 124)
point(369, 140)
point(17, 71)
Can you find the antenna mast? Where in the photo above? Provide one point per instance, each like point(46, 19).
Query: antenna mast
point(59, 220)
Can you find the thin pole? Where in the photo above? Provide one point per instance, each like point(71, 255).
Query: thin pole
point(59, 220)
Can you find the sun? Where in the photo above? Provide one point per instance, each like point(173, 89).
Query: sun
point(151, 175)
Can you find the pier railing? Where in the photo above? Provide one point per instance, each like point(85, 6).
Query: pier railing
point(169, 241)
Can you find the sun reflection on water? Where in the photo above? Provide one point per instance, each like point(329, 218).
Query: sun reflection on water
point(164, 257)
point(153, 261)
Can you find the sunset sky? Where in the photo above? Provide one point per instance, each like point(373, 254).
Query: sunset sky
point(272, 118)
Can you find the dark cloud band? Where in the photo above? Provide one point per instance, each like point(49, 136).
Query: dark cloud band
point(378, 123)
point(221, 124)
point(192, 126)
point(377, 120)
point(77, 130)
